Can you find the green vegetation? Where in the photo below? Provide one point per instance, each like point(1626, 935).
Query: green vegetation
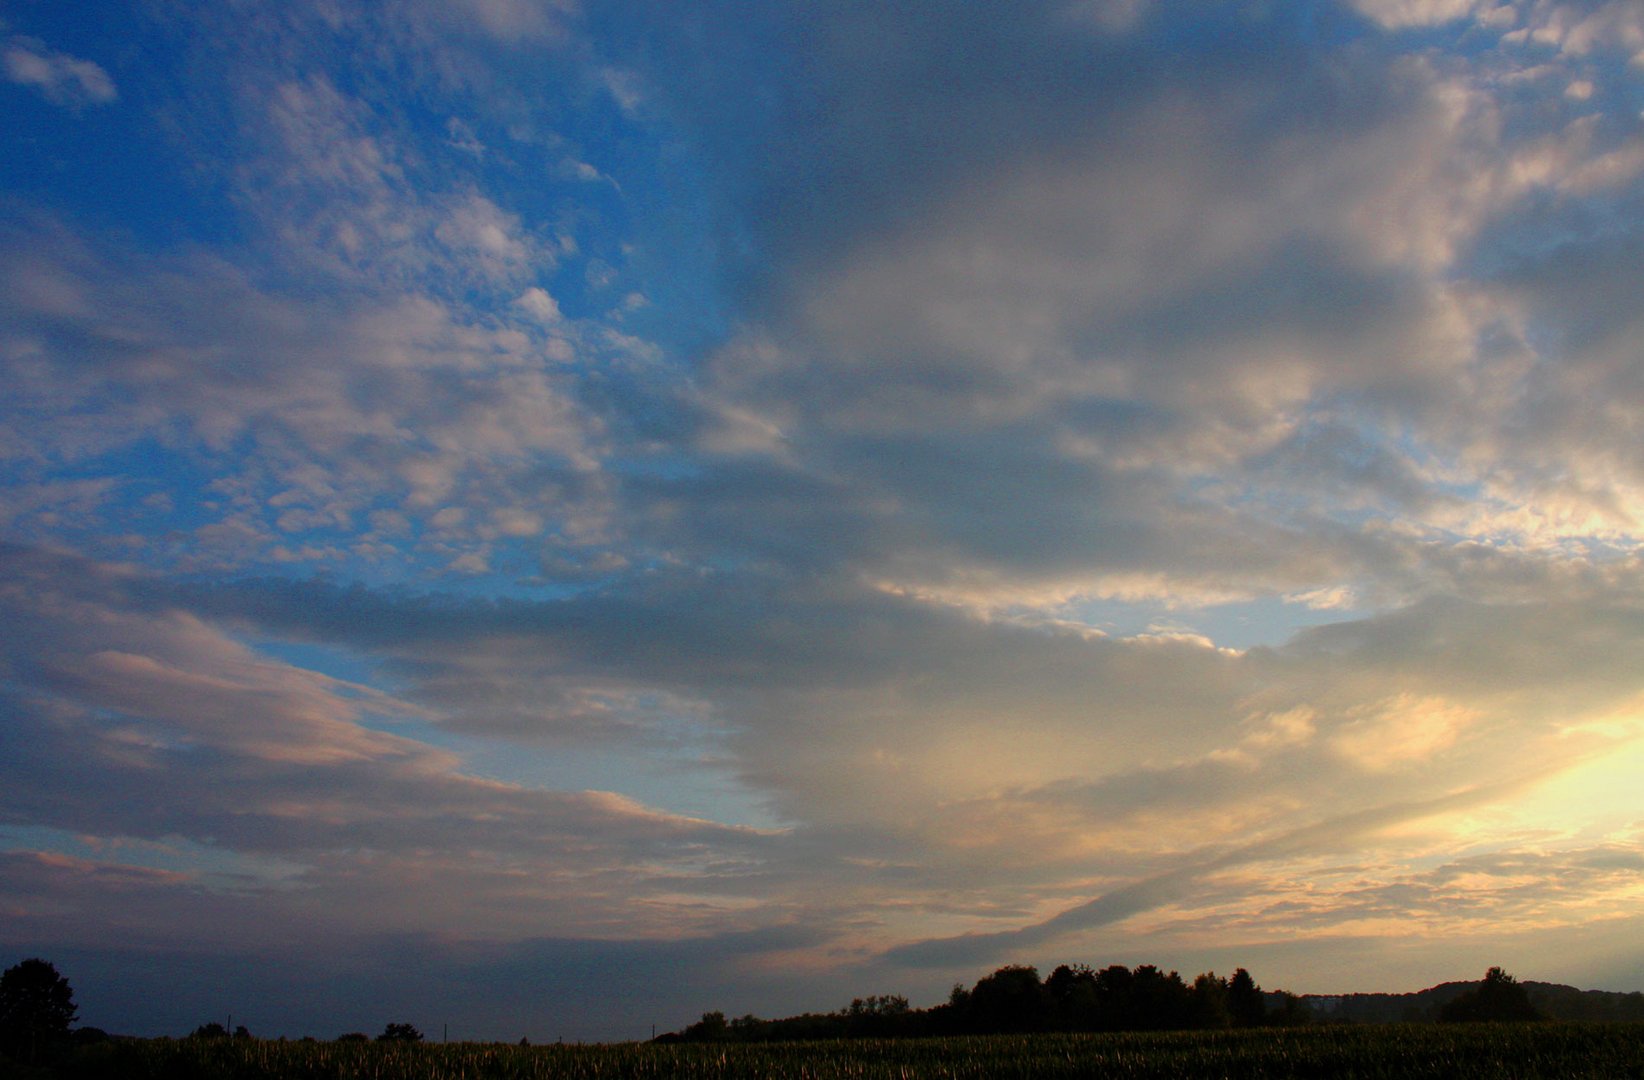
point(1459, 1051)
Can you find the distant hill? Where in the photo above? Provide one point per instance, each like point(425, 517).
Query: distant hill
point(1557, 1001)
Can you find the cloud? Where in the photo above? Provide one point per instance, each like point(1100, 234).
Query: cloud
point(334, 187)
point(133, 719)
point(1177, 885)
point(923, 747)
point(1584, 28)
point(62, 79)
point(306, 417)
point(1068, 355)
point(1399, 14)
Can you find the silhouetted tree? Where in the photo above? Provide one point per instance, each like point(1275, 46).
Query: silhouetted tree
point(1013, 1000)
point(212, 1030)
point(353, 1036)
point(1209, 1004)
point(1244, 1000)
point(1159, 1002)
point(1498, 997)
point(400, 1033)
point(1115, 1009)
point(713, 1027)
point(1073, 997)
point(1010, 1000)
point(36, 1009)
point(876, 1016)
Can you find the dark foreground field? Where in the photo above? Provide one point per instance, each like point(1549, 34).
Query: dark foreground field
point(1549, 1050)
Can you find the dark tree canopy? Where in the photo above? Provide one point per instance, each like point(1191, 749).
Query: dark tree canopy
point(1498, 997)
point(1244, 1000)
point(713, 1027)
point(1013, 999)
point(1010, 1000)
point(36, 1008)
point(400, 1033)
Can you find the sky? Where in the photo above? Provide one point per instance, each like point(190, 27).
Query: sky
point(550, 517)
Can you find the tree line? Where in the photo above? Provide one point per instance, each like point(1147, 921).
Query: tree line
point(1014, 1000)
point(37, 1009)
point(1080, 998)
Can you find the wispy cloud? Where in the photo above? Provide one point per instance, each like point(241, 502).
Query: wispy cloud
point(62, 79)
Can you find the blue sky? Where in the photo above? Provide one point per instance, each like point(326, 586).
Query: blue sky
point(550, 517)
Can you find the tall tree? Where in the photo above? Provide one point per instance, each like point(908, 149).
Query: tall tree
point(1245, 1001)
point(36, 1009)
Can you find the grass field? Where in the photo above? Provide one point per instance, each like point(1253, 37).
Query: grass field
point(1550, 1050)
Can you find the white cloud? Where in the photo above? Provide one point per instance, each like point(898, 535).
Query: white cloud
point(1397, 14)
point(345, 405)
point(539, 305)
point(1581, 29)
point(480, 235)
point(517, 20)
point(62, 79)
point(624, 86)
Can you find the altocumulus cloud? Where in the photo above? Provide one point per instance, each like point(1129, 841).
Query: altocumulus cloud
point(1112, 481)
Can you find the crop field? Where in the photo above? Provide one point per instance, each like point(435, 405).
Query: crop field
point(1560, 1050)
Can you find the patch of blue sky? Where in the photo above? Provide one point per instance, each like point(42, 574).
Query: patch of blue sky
point(514, 571)
point(677, 769)
point(645, 260)
point(352, 667)
point(344, 664)
point(117, 164)
point(153, 494)
point(1242, 624)
point(699, 786)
